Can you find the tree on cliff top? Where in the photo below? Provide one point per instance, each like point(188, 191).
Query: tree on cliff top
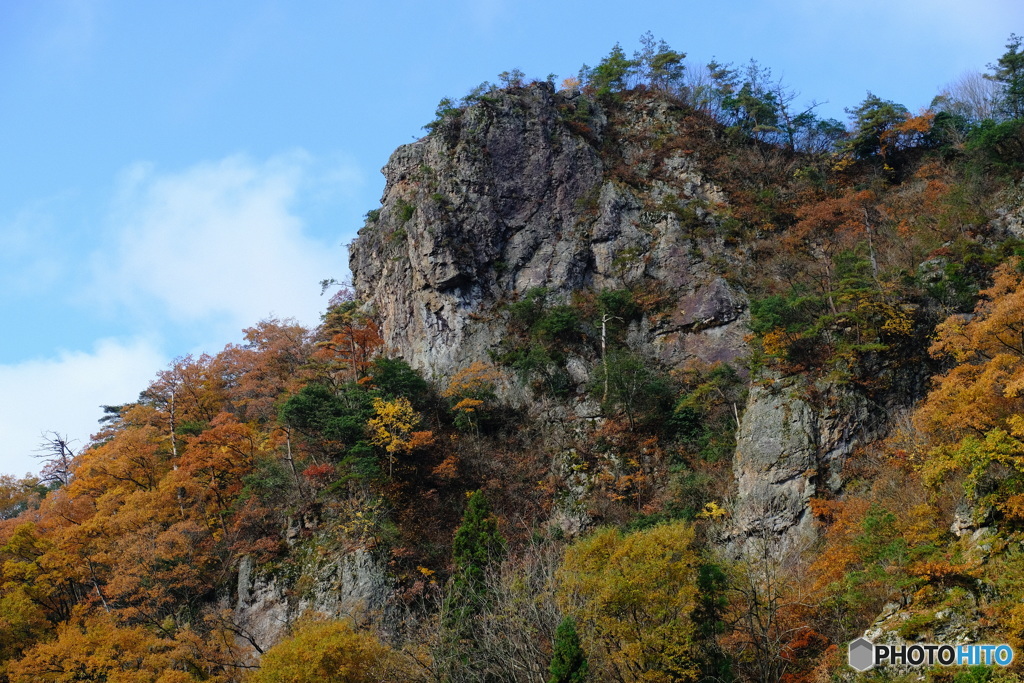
point(1008, 71)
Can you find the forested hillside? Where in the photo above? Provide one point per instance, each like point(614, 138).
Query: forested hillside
point(652, 375)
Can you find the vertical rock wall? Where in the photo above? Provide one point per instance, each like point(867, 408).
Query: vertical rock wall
point(792, 443)
point(353, 585)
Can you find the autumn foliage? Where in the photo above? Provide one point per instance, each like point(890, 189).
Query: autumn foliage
point(587, 528)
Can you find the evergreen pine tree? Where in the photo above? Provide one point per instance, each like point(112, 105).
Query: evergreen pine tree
point(568, 663)
point(872, 122)
point(477, 541)
point(1009, 72)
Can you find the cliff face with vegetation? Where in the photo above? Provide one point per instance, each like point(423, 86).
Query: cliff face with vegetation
point(523, 191)
point(533, 191)
point(650, 377)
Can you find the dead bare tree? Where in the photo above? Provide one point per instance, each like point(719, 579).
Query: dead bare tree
point(58, 459)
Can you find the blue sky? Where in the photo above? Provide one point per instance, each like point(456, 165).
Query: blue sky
point(173, 172)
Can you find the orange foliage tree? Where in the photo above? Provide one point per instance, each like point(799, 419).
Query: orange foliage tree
point(350, 340)
point(97, 648)
point(266, 366)
point(972, 418)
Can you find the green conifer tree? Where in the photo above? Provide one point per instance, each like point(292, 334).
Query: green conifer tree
point(1009, 72)
point(569, 662)
point(477, 542)
point(872, 122)
point(612, 74)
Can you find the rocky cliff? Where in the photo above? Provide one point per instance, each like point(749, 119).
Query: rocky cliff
point(530, 188)
point(691, 334)
point(525, 189)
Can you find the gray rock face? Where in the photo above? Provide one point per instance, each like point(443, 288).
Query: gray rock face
point(513, 193)
point(354, 585)
point(775, 464)
point(951, 625)
point(789, 449)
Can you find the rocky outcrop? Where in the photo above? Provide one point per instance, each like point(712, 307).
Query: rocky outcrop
point(519, 191)
point(792, 443)
point(354, 585)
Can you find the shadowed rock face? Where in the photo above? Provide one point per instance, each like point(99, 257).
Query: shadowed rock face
point(515, 193)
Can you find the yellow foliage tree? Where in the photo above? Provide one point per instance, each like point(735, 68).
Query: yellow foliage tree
point(394, 429)
point(331, 652)
point(22, 622)
point(471, 391)
point(632, 596)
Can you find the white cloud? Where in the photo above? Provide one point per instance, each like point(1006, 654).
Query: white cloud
point(218, 244)
point(64, 394)
point(186, 260)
